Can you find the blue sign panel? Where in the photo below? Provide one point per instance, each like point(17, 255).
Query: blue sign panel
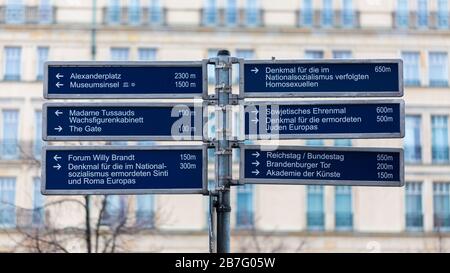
point(319, 78)
point(124, 80)
point(123, 170)
point(113, 121)
point(322, 166)
point(351, 119)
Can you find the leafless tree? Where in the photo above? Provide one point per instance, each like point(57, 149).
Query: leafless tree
point(107, 234)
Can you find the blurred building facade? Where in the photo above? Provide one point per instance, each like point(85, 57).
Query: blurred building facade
point(264, 218)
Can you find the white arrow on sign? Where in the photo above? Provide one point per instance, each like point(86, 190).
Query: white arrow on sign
point(255, 70)
point(256, 172)
point(56, 157)
point(59, 129)
point(59, 76)
point(255, 120)
point(255, 112)
point(57, 166)
point(256, 163)
point(57, 113)
point(58, 84)
point(256, 154)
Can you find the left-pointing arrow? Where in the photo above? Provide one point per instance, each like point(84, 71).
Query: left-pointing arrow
point(59, 129)
point(57, 166)
point(59, 76)
point(58, 84)
point(56, 157)
point(57, 113)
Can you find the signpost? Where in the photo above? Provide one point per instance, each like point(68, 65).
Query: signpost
point(322, 166)
point(325, 119)
point(124, 170)
point(321, 78)
point(76, 80)
point(85, 170)
point(123, 121)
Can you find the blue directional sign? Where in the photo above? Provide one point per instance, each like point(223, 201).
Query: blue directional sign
point(124, 80)
point(322, 166)
point(122, 121)
point(322, 78)
point(124, 170)
point(325, 119)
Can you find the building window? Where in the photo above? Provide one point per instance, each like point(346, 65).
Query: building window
point(342, 54)
point(12, 63)
point(45, 11)
point(327, 13)
point(439, 127)
point(442, 14)
point(438, 72)
point(134, 12)
point(42, 57)
point(348, 17)
point(313, 54)
point(343, 208)
point(115, 210)
point(210, 13)
point(10, 144)
point(120, 54)
point(147, 54)
point(441, 204)
point(14, 12)
point(145, 211)
point(422, 13)
point(7, 202)
point(411, 68)
point(343, 143)
point(38, 203)
point(402, 14)
point(155, 12)
point(314, 142)
point(315, 216)
point(306, 13)
point(413, 148)
point(247, 54)
point(414, 214)
point(231, 11)
point(252, 15)
point(244, 212)
point(114, 12)
point(38, 134)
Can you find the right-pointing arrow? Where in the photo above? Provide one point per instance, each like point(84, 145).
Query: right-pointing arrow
point(256, 172)
point(255, 70)
point(256, 154)
point(256, 163)
point(57, 166)
point(59, 129)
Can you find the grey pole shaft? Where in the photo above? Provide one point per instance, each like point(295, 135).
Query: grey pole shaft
point(223, 85)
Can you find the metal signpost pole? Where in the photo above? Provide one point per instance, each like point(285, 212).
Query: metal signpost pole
point(223, 90)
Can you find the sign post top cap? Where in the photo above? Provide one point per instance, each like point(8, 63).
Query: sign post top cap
point(223, 52)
